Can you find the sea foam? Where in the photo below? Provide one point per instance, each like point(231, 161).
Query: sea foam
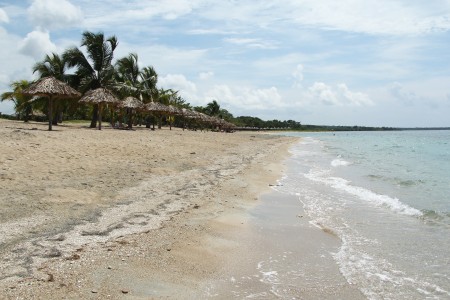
point(393, 204)
point(339, 162)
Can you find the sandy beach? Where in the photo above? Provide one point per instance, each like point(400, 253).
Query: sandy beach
point(89, 214)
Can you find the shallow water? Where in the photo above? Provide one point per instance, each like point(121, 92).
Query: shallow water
point(280, 255)
point(386, 195)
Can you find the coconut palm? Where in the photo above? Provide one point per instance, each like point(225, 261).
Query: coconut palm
point(94, 70)
point(134, 82)
point(148, 81)
point(22, 104)
point(212, 108)
point(53, 65)
point(127, 76)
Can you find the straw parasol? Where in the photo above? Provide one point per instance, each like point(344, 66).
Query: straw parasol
point(53, 89)
point(172, 111)
point(99, 96)
point(131, 103)
point(155, 107)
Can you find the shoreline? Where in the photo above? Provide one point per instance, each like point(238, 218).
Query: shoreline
point(280, 255)
point(87, 228)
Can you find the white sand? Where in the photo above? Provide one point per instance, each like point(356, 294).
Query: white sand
point(112, 214)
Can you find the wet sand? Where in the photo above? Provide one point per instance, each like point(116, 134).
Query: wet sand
point(280, 255)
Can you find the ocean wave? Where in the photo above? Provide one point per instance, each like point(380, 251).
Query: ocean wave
point(380, 200)
point(339, 162)
point(436, 217)
point(378, 278)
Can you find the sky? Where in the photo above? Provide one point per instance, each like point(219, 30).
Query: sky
point(323, 62)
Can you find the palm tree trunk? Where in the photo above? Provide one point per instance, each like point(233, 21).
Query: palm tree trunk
point(130, 118)
point(50, 113)
point(111, 113)
point(55, 116)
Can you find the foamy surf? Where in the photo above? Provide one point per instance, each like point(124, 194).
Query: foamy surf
point(338, 162)
point(378, 200)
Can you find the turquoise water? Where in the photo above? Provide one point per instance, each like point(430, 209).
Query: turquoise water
point(386, 195)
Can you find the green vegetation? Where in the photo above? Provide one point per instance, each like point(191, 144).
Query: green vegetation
point(93, 67)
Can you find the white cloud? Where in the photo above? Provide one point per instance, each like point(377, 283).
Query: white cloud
point(336, 96)
point(169, 10)
point(401, 94)
point(51, 14)
point(178, 82)
point(3, 16)
point(297, 74)
point(323, 93)
point(251, 43)
point(206, 75)
point(36, 44)
point(427, 94)
point(353, 98)
point(169, 59)
point(372, 16)
point(14, 65)
point(245, 98)
point(119, 12)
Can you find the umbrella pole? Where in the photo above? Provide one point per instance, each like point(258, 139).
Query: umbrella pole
point(111, 112)
point(50, 113)
point(130, 118)
point(99, 116)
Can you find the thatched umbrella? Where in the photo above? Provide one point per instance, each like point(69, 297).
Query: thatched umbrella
point(131, 103)
point(156, 107)
point(53, 89)
point(173, 111)
point(99, 96)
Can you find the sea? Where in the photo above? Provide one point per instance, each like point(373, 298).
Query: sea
point(386, 196)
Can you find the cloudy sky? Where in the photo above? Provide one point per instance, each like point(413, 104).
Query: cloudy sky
point(347, 62)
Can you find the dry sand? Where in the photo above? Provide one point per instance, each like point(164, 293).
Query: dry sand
point(112, 214)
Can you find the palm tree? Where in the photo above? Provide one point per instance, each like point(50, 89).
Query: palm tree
point(132, 81)
point(94, 70)
point(212, 108)
point(53, 65)
point(148, 81)
point(22, 104)
point(127, 76)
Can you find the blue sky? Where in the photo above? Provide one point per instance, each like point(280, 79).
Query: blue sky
point(348, 62)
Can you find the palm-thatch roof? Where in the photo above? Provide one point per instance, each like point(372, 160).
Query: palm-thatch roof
point(156, 107)
point(173, 110)
point(99, 95)
point(51, 87)
point(131, 102)
point(187, 113)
